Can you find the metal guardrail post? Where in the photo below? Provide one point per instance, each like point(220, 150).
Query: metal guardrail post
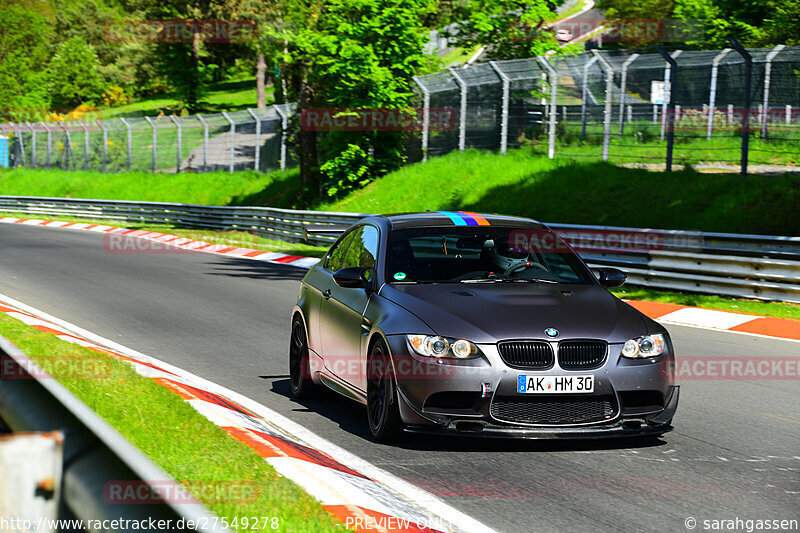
point(69, 144)
point(205, 142)
point(673, 67)
point(233, 140)
point(426, 104)
point(49, 142)
point(712, 95)
point(462, 119)
point(607, 110)
point(155, 143)
point(105, 143)
point(767, 74)
point(130, 142)
point(623, 80)
point(284, 129)
point(553, 77)
point(505, 102)
point(667, 95)
point(180, 137)
point(748, 82)
point(33, 144)
point(257, 151)
point(585, 93)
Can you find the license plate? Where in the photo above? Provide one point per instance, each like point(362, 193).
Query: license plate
point(554, 384)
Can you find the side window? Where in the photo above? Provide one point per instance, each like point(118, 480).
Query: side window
point(363, 251)
point(337, 253)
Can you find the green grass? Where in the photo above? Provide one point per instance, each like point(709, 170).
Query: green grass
point(222, 96)
point(175, 436)
point(213, 188)
point(709, 301)
point(565, 191)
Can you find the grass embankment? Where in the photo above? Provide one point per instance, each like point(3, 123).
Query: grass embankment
point(519, 183)
point(175, 436)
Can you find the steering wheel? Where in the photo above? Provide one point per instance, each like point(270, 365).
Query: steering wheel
point(513, 269)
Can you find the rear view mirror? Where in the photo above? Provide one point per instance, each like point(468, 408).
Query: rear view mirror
point(611, 277)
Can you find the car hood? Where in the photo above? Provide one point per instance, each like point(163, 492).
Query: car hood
point(487, 313)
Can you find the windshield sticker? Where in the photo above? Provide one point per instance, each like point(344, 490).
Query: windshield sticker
point(399, 276)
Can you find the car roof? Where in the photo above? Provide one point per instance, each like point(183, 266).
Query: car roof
point(456, 218)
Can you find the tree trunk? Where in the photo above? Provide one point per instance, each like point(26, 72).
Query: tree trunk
point(261, 71)
point(193, 95)
point(307, 142)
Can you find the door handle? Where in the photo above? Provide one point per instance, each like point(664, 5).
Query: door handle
point(326, 294)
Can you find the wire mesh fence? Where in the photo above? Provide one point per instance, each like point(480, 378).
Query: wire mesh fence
point(644, 106)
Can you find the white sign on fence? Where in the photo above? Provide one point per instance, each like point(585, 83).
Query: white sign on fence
point(656, 92)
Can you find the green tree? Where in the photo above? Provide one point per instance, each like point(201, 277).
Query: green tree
point(73, 73)
point(24, 35)
point(509, 29)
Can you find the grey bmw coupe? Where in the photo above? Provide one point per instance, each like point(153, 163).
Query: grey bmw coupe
point(460, 323)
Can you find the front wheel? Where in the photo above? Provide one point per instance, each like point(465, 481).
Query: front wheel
point(299, 368)
point(383, 414)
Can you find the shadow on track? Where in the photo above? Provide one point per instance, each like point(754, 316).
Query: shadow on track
point(352, 417)
point(248, 268)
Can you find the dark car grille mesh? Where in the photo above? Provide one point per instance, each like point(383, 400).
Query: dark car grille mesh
point(581, 354)
point(526, 354)
point(553, 409)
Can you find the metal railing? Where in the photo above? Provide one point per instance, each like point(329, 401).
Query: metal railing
point(89, 454)
point(730, 264)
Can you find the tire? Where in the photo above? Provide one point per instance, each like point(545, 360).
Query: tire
point(299, 369)
point(383, 415)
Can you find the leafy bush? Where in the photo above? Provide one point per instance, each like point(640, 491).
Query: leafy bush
point(73, 73)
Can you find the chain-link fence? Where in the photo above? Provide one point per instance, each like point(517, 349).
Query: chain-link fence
point(244, 140)
point(649, 106)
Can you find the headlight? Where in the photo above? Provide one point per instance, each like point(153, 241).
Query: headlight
point(435, 346)
point(641, 347)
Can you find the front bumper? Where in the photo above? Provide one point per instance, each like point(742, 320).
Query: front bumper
point(483, 380)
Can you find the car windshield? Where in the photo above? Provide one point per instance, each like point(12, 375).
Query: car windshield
point(485, 255)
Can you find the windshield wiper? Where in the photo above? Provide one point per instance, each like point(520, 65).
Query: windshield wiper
point(508, 280)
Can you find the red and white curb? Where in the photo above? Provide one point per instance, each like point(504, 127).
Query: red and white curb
point(681, 315)
point(359, 494)
point(667, 313)
point(171, 240)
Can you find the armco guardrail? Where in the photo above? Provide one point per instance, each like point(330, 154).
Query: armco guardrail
point(92, 455)
point(750, 266)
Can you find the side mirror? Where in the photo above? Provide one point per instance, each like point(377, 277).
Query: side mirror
point(611, 277)
point(353, 277)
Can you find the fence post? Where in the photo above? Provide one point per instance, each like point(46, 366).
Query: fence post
point(667, 90)
point(69, 144)
point(712, 95)
point(607, 109)
point(748, 78)
point(85, 144)
point(767, 74)
point(49, 141)
point(655, 113)
point(33, 144)
point(673, 67)
point(585, 94)
point(462, 120)
point(105, 143)
point(505, 102)
point(155, 142)
point(788, 114)
point(284, 129)
point(180, 137)
point(426, 103)
point(623, 80)
point(130, 141)
point(257, 154)
point(205, 142)
point(551, 141)
point(18, 131)
point(233, 140)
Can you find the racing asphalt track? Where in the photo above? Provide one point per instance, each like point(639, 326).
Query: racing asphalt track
point(735, 451)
